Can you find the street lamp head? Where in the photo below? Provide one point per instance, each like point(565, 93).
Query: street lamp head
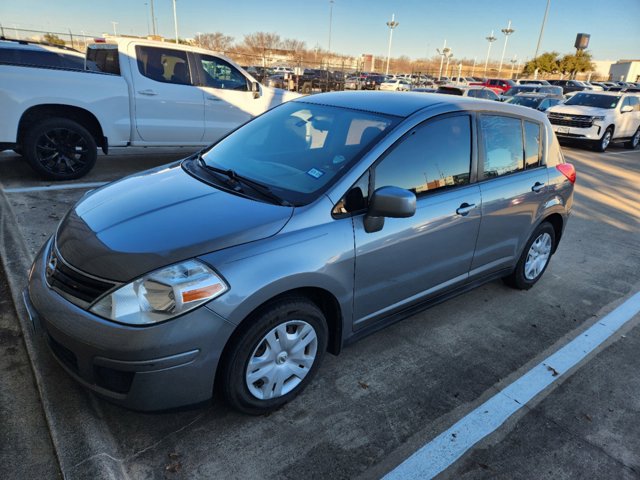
point(491, 38)
point(392, 25)
point(508, 31)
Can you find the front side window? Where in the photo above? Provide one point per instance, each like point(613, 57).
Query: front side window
point(503, 149)
point(163, 64)
point(220, 74)
point(433, 156)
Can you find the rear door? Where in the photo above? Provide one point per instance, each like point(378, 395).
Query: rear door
point(414, 258)
point(514, 185)
point(169, 110)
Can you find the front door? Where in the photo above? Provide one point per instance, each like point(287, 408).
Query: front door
point(169, 110)
point(414, 258)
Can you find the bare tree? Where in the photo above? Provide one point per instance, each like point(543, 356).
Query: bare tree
point(261, 43)
point(216, 41)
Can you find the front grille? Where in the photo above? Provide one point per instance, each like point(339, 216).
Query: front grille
point(577, 121)
point(78, 285)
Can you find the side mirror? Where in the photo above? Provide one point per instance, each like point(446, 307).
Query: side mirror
point(255, 88)
point(626, 109)
point(392, 202)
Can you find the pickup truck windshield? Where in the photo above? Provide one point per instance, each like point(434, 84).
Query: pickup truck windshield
point(591, 100)
point(299, 149)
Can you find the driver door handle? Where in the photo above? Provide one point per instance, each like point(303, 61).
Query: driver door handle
point(148, 92)
point(538, 186)
point(465, 208)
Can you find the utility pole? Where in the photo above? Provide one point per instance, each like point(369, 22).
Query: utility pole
point(392, 24)
point(153, 19)
point(490, 39)
point(544, 21)
point(175, 19)
point(331, 2)
point(115, 33)
point(507, 31)
point(445, 51)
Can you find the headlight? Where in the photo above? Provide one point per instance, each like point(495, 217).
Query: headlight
point(601, 118)
point(162, 295)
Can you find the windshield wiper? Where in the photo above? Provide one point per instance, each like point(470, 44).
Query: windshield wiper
point(234, 181)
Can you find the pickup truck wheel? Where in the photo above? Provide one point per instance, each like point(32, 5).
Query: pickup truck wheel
point(633, 141)
point(60, 149)
point(602, 144)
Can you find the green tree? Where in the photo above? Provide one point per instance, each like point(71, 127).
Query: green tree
point(574, 63)
point(52, 39)
point(546, 63)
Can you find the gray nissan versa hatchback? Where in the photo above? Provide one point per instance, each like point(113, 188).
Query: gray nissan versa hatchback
point(309, 227)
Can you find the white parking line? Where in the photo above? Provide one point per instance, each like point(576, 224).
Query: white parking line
point(623, 153)
point(450, 445)
point(67, 186)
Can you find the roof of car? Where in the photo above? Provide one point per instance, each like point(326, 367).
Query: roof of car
point(406, 103)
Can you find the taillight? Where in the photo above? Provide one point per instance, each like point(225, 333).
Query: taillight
point(568, 171)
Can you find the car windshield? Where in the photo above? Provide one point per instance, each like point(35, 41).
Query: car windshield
point(525, 101)
point(299, 149)
point(591, 100)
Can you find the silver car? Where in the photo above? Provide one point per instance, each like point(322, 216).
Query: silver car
point(308, 228)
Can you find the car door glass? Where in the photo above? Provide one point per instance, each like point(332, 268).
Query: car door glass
point(163, 64)
point(532, 145)
point(217, 73)
point(503, 149)
point(433, 156)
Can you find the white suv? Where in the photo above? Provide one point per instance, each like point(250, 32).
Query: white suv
point(598, 118)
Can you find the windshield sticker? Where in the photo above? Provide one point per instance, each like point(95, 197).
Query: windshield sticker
point(315, 173)
point(338, 159)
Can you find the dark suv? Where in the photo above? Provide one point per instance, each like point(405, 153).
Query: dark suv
point(570, 85)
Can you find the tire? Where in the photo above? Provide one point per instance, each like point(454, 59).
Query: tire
point(633, 141)
point(602, 144)
point(534, 259)
point(257, 391)
point(306, 89)
point(60, 149)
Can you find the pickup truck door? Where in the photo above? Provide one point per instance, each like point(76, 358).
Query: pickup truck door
point(169, 109)
point(228, 99)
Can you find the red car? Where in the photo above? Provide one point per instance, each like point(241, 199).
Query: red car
point(499, 85)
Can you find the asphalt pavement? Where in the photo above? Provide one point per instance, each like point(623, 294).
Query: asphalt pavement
point(388, 395)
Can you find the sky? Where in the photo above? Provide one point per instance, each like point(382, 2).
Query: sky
point(359, 26)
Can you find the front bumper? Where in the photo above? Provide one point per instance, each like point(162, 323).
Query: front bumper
point(156, 367)
point(592, 133)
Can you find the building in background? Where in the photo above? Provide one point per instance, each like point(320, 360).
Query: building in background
point(625, 71)
point(368, 62)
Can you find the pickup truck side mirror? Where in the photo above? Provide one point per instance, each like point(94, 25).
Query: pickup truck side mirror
point(392, 202)
point(255, 88)
point(626, 109)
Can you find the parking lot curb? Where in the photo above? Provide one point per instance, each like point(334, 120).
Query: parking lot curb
point(88, 435)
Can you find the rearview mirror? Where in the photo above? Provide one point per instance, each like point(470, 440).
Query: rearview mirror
point(392, 202)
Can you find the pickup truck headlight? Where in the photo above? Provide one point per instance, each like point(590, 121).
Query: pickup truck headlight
point(162, 294)
point(598, 119)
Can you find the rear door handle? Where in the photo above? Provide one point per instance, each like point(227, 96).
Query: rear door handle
point(148, 92)
point(537, 187)
point(465, 208)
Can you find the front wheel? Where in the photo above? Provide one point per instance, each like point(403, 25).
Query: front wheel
point(275, 357)
point(534, 259)
point(602, 144)
point(60, 149)
point(633, 141)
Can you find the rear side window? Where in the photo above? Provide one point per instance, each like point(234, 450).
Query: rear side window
point(433, 156)
point(503, 148)
point(163, 64)
point(532, 145)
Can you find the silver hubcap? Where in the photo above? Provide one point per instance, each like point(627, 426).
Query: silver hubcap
point(538, 256)
point(606, 139)
point(636, 139)
point(282, 359)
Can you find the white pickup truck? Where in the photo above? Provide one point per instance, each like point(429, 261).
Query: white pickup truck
point(129, 92)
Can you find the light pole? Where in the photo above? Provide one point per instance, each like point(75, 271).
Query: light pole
point(153, 19)
point(147, 17)
point(331, 2)
point(544, 20)
point(507, 31)
point(445, 51)
point(490, 39)
point(175, 19)
point(446, 70)
point(115, 33)
point(513, 61)
point(392, 24)
point(473, 69)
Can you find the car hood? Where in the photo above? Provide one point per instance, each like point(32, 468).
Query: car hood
point(157, 218)
point(579, 110)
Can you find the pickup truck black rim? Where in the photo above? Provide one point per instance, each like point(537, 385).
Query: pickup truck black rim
point(62, 151)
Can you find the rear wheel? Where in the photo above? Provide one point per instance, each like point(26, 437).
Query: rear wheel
point(602, 144)
point(534, 259)
point(60, 149)
point(633, 141)
point(275, 358)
